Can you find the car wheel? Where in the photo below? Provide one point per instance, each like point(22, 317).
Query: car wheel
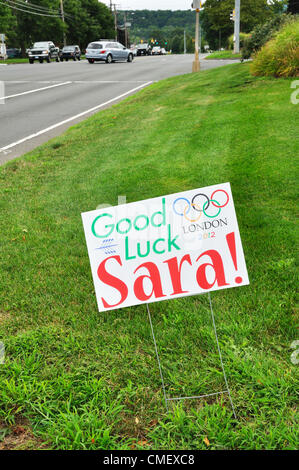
point(40, 61)
point(79, 58)
point(61, 59)
point(57, 59)
point(31, 61)
point(66, 60)
point(48, 59)
point(91, 61)
point(109, 59)
point(130, 58)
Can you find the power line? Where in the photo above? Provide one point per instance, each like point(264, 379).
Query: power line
point(32, 6)
point(28, 11)
point(63, 19)
point(31, 10)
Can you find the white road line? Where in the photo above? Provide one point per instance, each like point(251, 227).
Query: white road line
point(73, 81)
point(109, 81)
point(61, 123)
point(35, 90)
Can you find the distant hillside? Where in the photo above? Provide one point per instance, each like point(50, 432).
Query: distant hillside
point(148, 23)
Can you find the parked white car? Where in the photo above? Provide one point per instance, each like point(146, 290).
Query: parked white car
point(157, 50)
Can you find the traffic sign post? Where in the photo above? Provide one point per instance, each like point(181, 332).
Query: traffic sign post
point(196, 5)
point(237, 27)
point(2, 47)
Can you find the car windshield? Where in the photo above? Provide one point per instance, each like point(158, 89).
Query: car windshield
point(94, 45)
point(68, 48)
point(40, 44)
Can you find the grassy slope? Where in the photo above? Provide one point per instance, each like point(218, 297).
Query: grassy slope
point(223, 55)
point(89, 380)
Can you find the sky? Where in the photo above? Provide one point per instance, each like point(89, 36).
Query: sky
point(151, 4)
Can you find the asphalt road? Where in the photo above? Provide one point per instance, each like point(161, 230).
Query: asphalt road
point(42, 100)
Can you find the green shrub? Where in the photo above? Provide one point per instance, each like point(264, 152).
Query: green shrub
point(243, 38)
point(279, 57)
point(263, 33)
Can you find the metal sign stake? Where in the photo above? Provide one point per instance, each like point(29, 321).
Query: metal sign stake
point(220, 355)
point(221, 361)
point(157, 354)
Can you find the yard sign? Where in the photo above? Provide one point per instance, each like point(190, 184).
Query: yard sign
point(171, 246)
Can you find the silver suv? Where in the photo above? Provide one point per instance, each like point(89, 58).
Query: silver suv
point(107, 51)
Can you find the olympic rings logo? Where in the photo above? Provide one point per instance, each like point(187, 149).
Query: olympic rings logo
point(200, 203)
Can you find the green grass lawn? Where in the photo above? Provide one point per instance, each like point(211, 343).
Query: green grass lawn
point(23, 61)
point(223, 55)
point(14, 61)
point(83, 380)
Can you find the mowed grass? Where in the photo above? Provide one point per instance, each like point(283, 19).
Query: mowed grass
point(15, 60)
point(85, 380)
point(223, 55)
point(24, 61)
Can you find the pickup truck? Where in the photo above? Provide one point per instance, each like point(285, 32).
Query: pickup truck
point(41, 51)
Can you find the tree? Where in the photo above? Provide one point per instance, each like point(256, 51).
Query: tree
point(8, 25)
point(90, 20)
point(158, 37)
point(85, 21)
point(293, 7)
point(31, 28)
point(278, 6)
point(177, 45)
point(167, 22)
point(217, 23)
point(190, 45)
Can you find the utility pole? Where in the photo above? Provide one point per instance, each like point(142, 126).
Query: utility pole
point(115, 22)
point(126, 31)
point(196, 5)
point(185, 48)
point(199, 37)
point(237, 27)
point(62, 17)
